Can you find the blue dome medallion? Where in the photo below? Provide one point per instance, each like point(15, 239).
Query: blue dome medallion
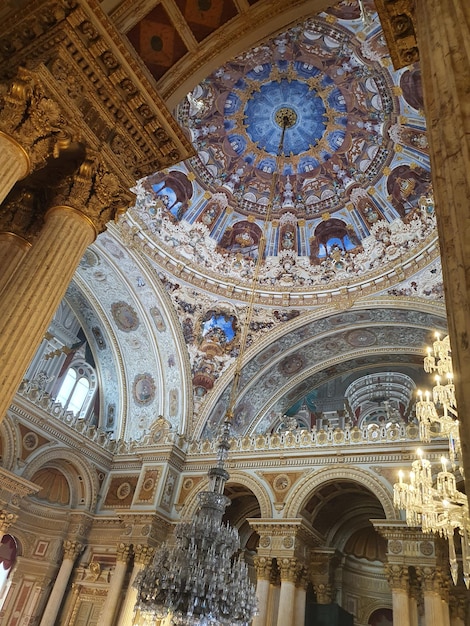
point(261, 117)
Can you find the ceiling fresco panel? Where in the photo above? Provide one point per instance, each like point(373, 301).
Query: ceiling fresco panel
point(206, 16)
point(157, 41)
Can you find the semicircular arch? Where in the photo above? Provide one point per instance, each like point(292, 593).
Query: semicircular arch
point(240, 478)
point(82, 479)
point(311, 483)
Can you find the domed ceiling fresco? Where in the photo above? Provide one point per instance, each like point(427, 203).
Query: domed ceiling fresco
point(347, 200)
point(349, 283)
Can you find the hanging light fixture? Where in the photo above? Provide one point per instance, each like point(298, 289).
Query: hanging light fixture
point(439, 508)
point(198, 579)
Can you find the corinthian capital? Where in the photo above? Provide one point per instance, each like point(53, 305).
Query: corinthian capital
point(289, 568)
point(123, 552)
point(72, 549)
point(32, 119)
point(263, 567)
point(94, 191)
point(6, 520)
point(143, 554)
point(397, 576)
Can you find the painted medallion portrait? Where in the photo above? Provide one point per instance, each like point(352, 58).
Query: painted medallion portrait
point(143, 389)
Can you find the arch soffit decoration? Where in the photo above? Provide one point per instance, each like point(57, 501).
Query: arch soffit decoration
point(307, 487)
point(127, 269)
point(254, 485)
point(9, 437)
point(72, 466)
point(321, 343)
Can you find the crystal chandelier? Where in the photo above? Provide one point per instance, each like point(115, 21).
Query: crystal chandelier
point(439, 508)
point(197, 579)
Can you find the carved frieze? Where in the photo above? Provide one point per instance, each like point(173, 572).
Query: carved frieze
point(397, 17)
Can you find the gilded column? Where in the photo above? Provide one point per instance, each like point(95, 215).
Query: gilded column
point(115, 587)
point(263, 575)
point(12, 250)
point(397, 576)
point(83, 204)
point(142, 557)
point(289, 569)
point(431, 585)
point(71, 551)
point(443, 32)
point(14, 164)
point(30, 300)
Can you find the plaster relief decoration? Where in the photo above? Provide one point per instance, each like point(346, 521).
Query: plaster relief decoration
point(354, 185)
point(148, 486)
point(121, 491)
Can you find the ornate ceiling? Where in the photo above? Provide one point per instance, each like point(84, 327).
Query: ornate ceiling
point(349, 199)
point(350, 285)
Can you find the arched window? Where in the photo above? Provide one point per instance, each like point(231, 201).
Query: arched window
point(78, 389)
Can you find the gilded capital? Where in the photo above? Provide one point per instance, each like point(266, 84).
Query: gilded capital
point(324, 593)
point(143, 554)
point(6, 520)
point(123, 552)
point(33, 119)
point(397, 576)
point(72, 549)
point(430, 578)
point(93, 190)
point(263, 567)
point(289, 568)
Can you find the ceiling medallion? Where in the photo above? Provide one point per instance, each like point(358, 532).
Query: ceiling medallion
point(285, 117)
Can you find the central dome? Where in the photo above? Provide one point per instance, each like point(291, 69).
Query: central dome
point(348, 199)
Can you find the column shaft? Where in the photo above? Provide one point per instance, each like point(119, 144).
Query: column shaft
point(445, 613)
point(126, 616)
point(273, 604)
point(285, 614)
point(432, 609)
point(443, 33)
point(262, 595)
point(413, 609)
point(12, 250)
point(14, 164)
point(55, 599)
point(29, 301)
point(300, 602)
point(401, 611)
point(115, 588)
